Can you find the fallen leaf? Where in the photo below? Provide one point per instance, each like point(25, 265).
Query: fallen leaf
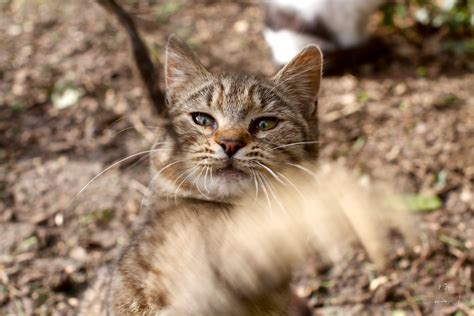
point(422, 203)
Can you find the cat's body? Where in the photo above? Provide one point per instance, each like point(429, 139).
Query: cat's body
point(194, 257)
point(333, 25)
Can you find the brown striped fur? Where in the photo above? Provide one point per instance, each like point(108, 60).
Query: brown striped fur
point(223, 233)
point(196, 185)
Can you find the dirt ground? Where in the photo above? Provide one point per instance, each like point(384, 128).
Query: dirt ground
point(70, 105)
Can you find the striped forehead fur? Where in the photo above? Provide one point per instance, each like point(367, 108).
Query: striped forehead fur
point(237, 95)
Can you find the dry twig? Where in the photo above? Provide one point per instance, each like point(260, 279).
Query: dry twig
point(143, 63)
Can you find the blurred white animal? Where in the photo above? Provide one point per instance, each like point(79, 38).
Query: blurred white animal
point(331, 24)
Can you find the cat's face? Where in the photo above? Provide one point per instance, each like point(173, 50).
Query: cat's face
point(237, 131)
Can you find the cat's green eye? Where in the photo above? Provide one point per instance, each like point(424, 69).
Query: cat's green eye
point(264, 123)
point(203, 119)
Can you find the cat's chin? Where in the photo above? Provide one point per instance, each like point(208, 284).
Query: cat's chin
point(231, 173)
point(225, 183)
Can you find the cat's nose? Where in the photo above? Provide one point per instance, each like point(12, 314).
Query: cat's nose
point(231, 146)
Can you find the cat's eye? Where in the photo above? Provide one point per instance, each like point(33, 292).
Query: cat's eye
point(203, 119)
point(264, 123)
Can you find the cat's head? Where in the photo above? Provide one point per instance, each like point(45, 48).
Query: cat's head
point(236, 131)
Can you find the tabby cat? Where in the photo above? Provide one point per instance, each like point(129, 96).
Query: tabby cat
point(236, 131)
point(236, 205)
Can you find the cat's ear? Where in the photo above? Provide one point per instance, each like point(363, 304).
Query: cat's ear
point(300, 79)
point(182, 68)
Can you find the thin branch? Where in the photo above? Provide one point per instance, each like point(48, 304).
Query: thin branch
point(143, 62)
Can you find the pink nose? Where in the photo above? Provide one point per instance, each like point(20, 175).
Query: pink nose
point(231, 146)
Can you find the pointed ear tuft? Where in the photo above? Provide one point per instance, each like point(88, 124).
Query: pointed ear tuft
point(182, 68)
point(300, 79)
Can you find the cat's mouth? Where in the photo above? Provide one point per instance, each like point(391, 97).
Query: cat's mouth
point(231, 172)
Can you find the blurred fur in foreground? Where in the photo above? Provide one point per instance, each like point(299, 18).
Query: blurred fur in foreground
point(241, 262)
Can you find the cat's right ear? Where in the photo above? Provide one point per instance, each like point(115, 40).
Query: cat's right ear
point(182, 68)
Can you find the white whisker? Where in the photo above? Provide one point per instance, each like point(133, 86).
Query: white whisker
point(292, 185)
point(212, 175)
point(256, 184)
point(196, 183)
point(191, 172)
point(270, 171)
point(264, 189)
point(294, 144)
point(302, 168)
point(273, 192)
point(133, 127)
point(205, 179)
point(115, 164)
point(145, 196)
point(171, 164)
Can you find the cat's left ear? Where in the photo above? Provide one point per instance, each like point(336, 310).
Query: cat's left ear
point(182, 69)
point(300, 79)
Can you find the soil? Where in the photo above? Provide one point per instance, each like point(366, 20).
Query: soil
point(407, 118)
